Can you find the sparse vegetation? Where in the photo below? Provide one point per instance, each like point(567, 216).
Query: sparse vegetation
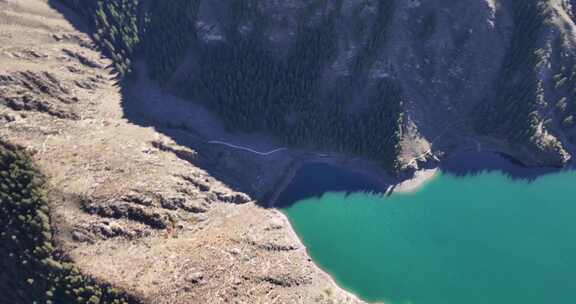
point(565, 87)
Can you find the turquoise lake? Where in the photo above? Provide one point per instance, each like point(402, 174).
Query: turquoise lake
point(467, 236)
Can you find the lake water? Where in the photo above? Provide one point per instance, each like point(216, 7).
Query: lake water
point(468, 236)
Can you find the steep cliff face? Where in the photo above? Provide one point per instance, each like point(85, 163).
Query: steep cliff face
point(393, 81)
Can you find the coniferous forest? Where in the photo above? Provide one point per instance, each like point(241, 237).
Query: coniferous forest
point(253, 90)
point(241, 80)
point(32, 269)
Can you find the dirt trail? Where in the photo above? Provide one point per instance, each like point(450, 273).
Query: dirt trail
point(246, 148)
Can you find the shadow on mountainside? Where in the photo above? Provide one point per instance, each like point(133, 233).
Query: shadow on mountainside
point(182, 124)
point(475, 163)
point(250, 163)
point(314, 179)
point(76, 20)
point(189, 124)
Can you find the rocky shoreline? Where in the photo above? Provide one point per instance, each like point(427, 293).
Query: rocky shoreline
point(353, 298)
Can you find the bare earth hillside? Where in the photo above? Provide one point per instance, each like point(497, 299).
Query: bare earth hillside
point(132, 207)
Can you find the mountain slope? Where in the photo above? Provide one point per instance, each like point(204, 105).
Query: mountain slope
point(127, 205)
point(386, 80)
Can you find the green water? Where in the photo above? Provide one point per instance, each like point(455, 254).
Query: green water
point(482, 238)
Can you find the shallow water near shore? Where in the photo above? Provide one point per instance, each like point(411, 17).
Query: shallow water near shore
point(467, 236)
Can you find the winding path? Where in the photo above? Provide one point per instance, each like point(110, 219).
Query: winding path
point(217, 142)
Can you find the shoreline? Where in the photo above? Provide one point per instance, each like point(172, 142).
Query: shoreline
point(349, 294)
point(400, 185)
point(389, 185)
point(420, 178)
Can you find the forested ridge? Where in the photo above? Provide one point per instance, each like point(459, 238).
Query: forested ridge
point(518, 112)
point(169, 33)
point(117, 27)
point(254, 91)
point(33, 271)
point(518, 93)
point(246, 85)
point(237, 75)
